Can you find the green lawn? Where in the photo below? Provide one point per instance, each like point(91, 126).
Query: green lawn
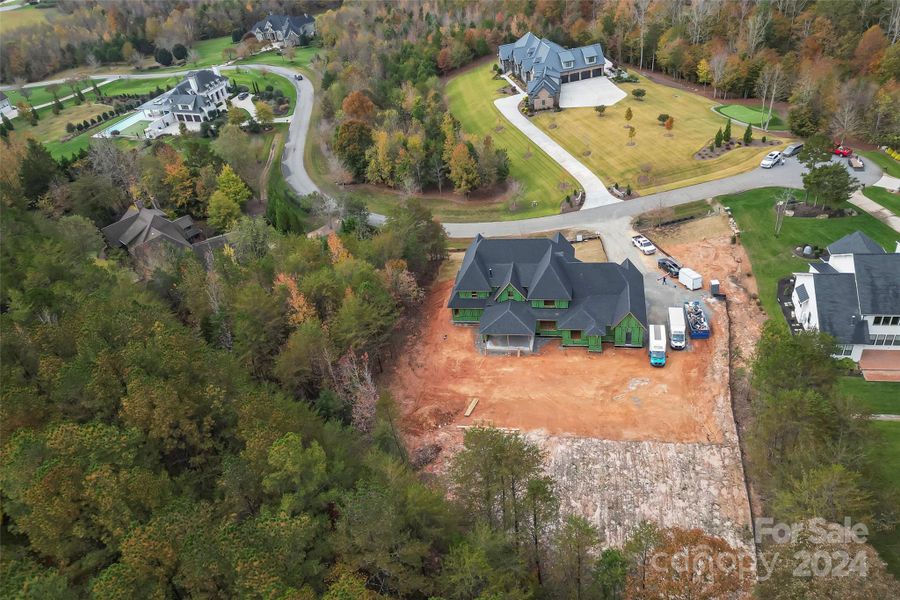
point(471, 98)
point(248, 76)
point(887, 199)
point(25, 16)
point(880, 397)
point(38, 95)
point(887, 164)
point(771, 256)
point(135, 128)
point(304, 55)
point(749, 114)
point(210, 54)
point(138, 86)
point(657, 160)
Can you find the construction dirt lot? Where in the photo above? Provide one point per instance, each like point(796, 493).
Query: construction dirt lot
point(624, 441)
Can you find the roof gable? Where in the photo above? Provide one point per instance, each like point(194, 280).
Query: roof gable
point(878, 283)
point(855, 243)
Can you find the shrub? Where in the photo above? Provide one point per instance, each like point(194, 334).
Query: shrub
point(727, 133)
point(711, 148)
point(163, 57)
point(78, 126)
point(85, 124)
point(639, 93)
point(662, 118)
point(748, 135)
point(114, 132)
point(763, 139)
point(600, 109)
point(269, 88)
point(69, 128)
point(628, 190)
point(719, 138)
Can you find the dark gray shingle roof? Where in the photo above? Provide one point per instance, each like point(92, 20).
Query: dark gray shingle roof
point(600, 294)
point(837, 305)
point(878, 283)
point(855, 243)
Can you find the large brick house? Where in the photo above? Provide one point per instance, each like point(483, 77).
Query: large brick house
point(545, 66)
point(516, 290)
point(283, 30)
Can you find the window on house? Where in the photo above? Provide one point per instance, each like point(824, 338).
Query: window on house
point(877, 321)
point(844, 350)
point(549, 303)
point(568, 64)
point(591, 60)
point(546, 325)
point(895, 320)
point(575, 335)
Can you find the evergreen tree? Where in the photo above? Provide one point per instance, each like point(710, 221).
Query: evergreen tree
point(719, 136)
point(726, 135)
point(37, 170)
point(748, 135)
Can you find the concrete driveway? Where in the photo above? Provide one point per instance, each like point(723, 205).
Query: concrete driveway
point(595, 192)
point(590, 92)
point(246, 104)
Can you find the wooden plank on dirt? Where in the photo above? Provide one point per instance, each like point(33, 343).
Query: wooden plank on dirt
point(471, 407)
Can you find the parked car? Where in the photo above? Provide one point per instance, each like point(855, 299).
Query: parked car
point(643, 244)
point(856, 163)
point(298, 77)
point(772, 159)
point(669, 265)
point(793, 149)
point(842, 150)
point(243, 95)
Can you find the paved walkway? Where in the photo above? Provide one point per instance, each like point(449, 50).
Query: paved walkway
point(889, 183)
point(595, 192)
point(876, 210)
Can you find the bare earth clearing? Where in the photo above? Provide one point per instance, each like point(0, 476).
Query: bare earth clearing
point(624, 441)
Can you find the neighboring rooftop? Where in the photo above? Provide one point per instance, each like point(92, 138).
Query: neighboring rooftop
point(855, 243)
point(549, 60)
point(144, 225)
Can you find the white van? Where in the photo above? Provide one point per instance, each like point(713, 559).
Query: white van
point(677, 328)
point(657, 345)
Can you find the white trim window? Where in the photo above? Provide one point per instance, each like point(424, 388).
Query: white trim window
point(844, 350)
point(886, 320)
point(882, 339)
point(591, 60)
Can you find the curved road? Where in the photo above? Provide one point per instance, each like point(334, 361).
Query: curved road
point(597, 218)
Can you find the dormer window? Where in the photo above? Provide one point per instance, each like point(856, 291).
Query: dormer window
point(568, 64)
point(591, 60)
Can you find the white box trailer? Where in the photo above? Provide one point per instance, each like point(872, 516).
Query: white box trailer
point(677, 328)
point(657, 345)
point(690, 278)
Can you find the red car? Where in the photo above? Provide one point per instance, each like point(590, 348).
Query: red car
point(842, 150)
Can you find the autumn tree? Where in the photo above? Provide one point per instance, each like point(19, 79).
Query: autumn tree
point(358, 106)
point(352, 140)
point(463, 169)
point(670, 122)
point(264, 113)
point(223, 211)
point(628, 114)
point(692, 564)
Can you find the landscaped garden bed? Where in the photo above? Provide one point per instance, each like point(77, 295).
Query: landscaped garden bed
point(709, 151)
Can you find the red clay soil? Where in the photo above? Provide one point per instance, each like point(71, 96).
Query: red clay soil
point(615, 395)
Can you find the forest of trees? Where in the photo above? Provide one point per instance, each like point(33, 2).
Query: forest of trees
point(837, 63)
point(87, 33)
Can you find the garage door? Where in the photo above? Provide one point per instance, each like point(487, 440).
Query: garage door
point(565, 79)
point(597, 72)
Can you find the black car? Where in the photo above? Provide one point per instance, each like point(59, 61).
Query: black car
point(298, 77)
point(793, 149)
point(669, 265)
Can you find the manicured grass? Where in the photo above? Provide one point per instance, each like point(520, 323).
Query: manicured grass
point(471, 98)
point(248, 76)
point(304, 55)
point(210, 54)
point(887, 164)
point(879, 397)
point(749, 114)
point(38, 95)
point(24, 17)
point(657, 162)
point(888, 460)
point(771, 257)
point(52, 128)
point(887, 199)
point(138, 86)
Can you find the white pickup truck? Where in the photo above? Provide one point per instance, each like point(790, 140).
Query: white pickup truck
point(643, 244)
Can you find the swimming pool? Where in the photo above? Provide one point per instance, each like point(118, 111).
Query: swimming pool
point(123, 124)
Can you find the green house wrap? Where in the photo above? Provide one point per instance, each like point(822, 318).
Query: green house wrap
point(516, 290)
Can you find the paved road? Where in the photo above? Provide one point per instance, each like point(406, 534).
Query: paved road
point(595, 192)
point(788, 175)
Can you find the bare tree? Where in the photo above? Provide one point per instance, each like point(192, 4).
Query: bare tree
point(193, 57)
point(698, 15)
point(717, 66)
point(893, 20)
point(91, 61)
point(756, 28)
point(845, 120)
point(19, 83)
point(640, 8)
point(769, 86)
